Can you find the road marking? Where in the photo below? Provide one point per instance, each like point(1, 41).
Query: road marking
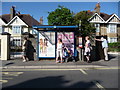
point(98, 85)
point(39, 69)
point(11, 73)
point(104, 68)
point(109, 68)
point(83, 71)
point(4, 81)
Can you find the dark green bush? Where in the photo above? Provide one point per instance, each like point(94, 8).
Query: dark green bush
point(115, 47)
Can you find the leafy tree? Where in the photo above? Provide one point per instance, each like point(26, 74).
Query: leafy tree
point(86, 28)
point(61, 16)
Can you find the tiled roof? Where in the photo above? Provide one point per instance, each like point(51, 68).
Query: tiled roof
point(103, 15)
point(5, 18)
point(29, 20)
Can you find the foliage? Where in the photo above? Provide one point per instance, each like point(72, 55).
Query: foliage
point(114, 47)
point(87, 29)
point(61, 16)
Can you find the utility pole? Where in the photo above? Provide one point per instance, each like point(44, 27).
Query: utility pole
point(80, 50)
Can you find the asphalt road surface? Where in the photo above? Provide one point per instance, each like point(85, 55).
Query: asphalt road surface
point(37, 78)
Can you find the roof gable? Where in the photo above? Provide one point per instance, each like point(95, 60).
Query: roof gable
point(113, 19)
point(96, 18)
point(29, 20)
point(16, 21)
point(26, 18)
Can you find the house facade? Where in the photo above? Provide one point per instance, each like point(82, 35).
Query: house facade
point(16, 24)
point(108, 25)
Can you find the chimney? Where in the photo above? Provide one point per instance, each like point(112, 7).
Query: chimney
point(88, 11)
point(12, 12)
point(41, 20)
point(97, 8)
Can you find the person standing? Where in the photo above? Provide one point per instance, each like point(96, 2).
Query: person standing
point(104, 46)
point(87, 49)
point(59, 50)
point(24, 48)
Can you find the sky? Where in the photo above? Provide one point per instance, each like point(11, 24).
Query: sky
point(39, 9)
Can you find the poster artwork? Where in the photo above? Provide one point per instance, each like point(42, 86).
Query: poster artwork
point(46, 48)
point(67, 40)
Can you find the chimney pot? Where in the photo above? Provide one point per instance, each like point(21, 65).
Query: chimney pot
point(88, 10)
point(41, 20)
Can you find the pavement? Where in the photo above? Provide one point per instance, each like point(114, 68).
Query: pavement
point(50, 64)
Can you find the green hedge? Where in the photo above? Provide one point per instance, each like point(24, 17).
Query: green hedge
point(114, 47)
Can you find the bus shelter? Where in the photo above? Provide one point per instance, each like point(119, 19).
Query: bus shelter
point(47, 37)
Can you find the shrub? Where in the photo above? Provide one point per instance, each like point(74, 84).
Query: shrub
point(115, 47)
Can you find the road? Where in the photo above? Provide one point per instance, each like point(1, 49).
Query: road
point(61, 78)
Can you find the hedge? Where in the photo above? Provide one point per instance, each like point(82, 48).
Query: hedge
point(114, 47)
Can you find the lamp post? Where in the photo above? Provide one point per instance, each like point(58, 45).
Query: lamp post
point(80, 42)
point(81, 49)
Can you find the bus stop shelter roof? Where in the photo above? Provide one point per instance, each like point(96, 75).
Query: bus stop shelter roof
point(51, 26)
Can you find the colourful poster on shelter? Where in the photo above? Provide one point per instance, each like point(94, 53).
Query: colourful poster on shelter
point(67, 39)
point(46, 44)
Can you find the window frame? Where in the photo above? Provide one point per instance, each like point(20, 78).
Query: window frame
point(97, 26)
point(113, 39)
point(112, 28)
point(16, 30)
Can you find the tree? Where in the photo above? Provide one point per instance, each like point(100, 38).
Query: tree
point(86, 28)
point(61, 16)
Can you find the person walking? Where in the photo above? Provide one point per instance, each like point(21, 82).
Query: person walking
point(24, 48)
point(104, 46)
point(87, 49)
point(59, 50)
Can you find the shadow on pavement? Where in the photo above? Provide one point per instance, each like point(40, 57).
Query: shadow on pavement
point(112, 56)
point(9, 63)
point(53, 82)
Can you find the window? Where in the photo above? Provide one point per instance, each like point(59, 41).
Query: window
point(16, 29)
point(112, 28)
point(16, 42)
point(1, 29)
point(97, 27)
point(113, 40)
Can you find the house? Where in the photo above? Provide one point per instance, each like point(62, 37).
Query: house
point(105, 24)
point(16, 24)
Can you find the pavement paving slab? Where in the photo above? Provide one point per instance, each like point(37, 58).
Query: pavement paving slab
point(17, 63)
